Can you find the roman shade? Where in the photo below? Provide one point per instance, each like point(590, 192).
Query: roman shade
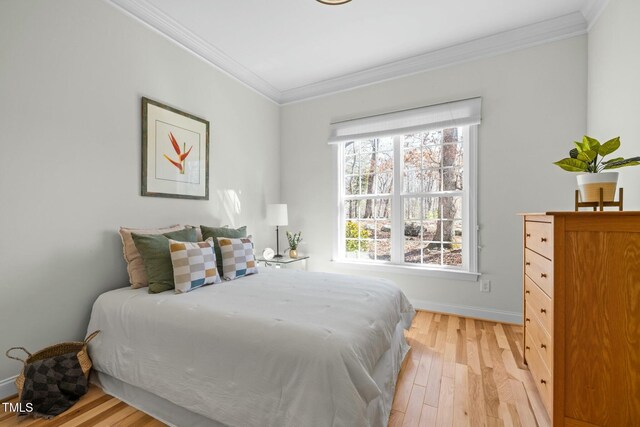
point(422, 119)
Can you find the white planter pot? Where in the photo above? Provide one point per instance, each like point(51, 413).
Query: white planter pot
point(590, 184)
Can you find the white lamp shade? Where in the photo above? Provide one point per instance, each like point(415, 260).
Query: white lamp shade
point(277, 214)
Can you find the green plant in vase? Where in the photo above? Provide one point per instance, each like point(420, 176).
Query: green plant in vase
point(588, 157)
point(294, 241)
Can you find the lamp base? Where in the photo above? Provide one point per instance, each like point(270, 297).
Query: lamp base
point(278, 256)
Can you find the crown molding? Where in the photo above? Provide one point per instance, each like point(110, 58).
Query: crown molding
point(547, 31)
point(531, 35)
point(593, 10)
point(154, 18)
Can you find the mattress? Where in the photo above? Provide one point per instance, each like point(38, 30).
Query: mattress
point(280, 348)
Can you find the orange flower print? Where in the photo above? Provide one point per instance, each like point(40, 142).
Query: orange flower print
point(181, 155)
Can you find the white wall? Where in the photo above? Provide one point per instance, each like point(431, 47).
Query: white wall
point(71, 76)
point(614, 86)
point(534, 105)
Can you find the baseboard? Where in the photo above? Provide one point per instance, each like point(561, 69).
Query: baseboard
point(469, 311)
point(8, 387)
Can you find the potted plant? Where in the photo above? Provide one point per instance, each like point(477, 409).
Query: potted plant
point(294, 241)
point(588, 157)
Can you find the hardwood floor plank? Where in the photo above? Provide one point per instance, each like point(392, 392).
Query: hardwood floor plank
point(514, 341)
point(505, 415)
point(405, 384)
point(116, 418)
point(441, 339)
point(500, 375)
point(477, 411)
point(461, 345)
point(414, 409)
point(142, 421)
point(459, 372)
point(473, 347)
point(494, 422)
point(103, 415)
point(461, 397)
point(86, 403)
point(484, 345)
point(131, 419)
point(433, 333)
point(524, 410)
point(449, 361)
point(501, 337)
point(510, 365)
point(424, 367)
point(449, 367)
point(445, 406)
point(515, 420)
point(542, 418)
point(491, 399)
point(85, 416)
point(428, 416)
point(432, 394)
point(473, 356)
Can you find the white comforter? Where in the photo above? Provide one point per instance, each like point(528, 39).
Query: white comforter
point(280, 348)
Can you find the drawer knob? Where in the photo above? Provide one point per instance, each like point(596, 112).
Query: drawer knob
point(543, 275)
point(543, 310)
point(527, 292)
point(527, 263)
point(543, 346)
point(543, 239)
point(527, 348)
point(527, 320)
point(543, 382)
point(528, 234)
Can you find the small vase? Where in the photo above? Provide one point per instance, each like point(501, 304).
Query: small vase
point(293, 253)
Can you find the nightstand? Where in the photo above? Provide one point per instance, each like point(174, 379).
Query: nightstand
point(299, 263)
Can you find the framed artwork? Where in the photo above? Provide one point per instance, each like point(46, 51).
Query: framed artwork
point(175, 153)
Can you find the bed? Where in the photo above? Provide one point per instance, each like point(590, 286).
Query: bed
point(278, 348)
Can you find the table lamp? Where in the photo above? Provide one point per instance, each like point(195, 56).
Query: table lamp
point(277, 215)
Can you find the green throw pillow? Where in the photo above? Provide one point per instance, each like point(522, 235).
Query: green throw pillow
point(215, 232)
point(155, 253)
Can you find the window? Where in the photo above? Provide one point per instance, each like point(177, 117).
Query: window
point(407, 197)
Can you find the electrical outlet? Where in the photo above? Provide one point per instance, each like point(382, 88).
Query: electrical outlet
point(485, 286)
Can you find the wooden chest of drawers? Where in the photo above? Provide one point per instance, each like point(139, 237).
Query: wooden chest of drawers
point(581, 287)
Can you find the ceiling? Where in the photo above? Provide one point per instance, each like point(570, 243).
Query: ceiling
point(295, 49)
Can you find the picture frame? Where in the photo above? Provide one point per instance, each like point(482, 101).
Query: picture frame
point(175, 153)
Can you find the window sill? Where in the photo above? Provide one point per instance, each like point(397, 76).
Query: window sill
point(442, 273)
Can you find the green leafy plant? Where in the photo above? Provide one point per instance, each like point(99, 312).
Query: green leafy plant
point(588, 156)
point(294, 239)
point(352, 232)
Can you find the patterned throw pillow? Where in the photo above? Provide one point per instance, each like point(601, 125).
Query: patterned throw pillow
point(238, 258)
point(215, 232)
point(156, 255)
point(194, 264)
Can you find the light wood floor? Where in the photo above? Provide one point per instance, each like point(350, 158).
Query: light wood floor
point(95, 409)
point(464, 372)
point(459, 372)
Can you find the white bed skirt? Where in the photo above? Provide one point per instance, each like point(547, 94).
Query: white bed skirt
point(385, 375)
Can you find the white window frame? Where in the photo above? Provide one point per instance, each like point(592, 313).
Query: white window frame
point(469, 269)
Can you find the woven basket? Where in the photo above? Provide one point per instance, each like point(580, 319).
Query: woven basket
point(78, 347)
